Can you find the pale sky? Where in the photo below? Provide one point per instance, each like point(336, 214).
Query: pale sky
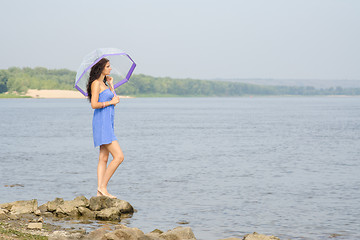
point(204, 39)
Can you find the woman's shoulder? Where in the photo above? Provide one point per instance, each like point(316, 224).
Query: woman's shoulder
point(95, 83)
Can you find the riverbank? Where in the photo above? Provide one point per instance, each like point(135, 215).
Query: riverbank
point(60, 94)
point(25, 220)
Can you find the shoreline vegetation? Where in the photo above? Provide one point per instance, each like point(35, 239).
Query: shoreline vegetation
point(41, 82)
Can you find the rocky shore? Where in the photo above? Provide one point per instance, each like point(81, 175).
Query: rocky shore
point(27, 220)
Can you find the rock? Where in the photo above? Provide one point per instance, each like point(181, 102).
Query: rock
point(231, 239)
point(154, 235)
point(3, 214)
point(24, 207)
point(14, 216)
point(257, 236)
point(43, 208)
point(125, 233)
point(178, 233)
point(35, 225)
point(85, 212)
point(110, 214)
point(70, 208)
point(100, 202)
point(63, 235)
point(124, 206)
point(6, 206)
point(97, 234)
point(48, 214)
point(157, 231)
point(81, 201)
point(40, 219)
point(37, 212)
point(53, 205)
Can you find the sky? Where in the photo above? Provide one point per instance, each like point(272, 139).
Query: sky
point(201, 39)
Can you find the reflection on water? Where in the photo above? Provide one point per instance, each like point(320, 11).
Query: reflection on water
point(226, 166)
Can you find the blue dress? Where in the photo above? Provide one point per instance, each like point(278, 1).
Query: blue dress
point(103, 121)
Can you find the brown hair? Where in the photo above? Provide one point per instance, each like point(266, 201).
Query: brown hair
point(95, 73)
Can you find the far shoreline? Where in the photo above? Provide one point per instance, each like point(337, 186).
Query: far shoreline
point(49, 94)
point(73, 94)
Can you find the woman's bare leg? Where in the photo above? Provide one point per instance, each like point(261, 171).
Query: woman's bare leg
point(103, 159)
point(118, 158)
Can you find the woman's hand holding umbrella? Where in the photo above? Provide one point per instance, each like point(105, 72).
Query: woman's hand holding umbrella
point(116, 99)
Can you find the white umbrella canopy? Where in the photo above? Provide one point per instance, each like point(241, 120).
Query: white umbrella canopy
point(121, 63)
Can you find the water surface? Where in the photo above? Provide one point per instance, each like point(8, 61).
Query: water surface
point(284, 166)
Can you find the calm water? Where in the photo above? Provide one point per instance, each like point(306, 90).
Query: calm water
point(228, 166)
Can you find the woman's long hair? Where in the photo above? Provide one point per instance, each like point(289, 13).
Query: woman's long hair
point(95, 73)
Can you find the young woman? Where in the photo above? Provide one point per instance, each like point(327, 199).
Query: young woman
point(99, 89)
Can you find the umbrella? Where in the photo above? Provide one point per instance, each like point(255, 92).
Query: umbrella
point(121, 63)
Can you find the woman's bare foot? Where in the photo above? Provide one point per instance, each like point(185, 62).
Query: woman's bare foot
point(104, 192)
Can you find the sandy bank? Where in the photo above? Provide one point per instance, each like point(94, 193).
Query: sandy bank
point(57, 94)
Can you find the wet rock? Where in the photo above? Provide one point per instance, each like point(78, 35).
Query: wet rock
point(124, 206)
point(35, 225)
point(85, 212)
point(179, 233)
point(257, 236)
point(112, 214)
point(24, 207)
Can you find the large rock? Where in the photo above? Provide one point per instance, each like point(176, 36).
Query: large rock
point(111, 214)
point(71, 207)
point(53, 205)
point(63, 235)
point(87, 213)
point(179, 233)
point(257, 236)
point(97, 234)
point(125, 233)
point(24, 207)
point(102, 202)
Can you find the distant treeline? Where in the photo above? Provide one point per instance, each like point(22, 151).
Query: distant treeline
point(22, 79)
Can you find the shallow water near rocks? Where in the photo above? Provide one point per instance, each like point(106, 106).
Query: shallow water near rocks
point(285, 166)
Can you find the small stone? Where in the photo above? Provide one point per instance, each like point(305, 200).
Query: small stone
point(37, 212)
point(157, 231)
point(35, 226)
point(257, 236)
point(184, 222)
point(40, 219)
